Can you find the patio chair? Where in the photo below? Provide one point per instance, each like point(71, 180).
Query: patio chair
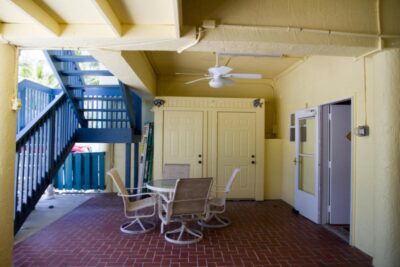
point(188, 203)
point(174, 171)
point(135, 207)
point(217, 206)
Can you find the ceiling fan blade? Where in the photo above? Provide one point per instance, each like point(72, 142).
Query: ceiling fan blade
point(227, 82)
point(244, 75)
point(219, 71)
point(190, 74)
point(197, 80)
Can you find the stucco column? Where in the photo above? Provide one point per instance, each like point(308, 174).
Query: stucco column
point(7, 151)
point(386, 75)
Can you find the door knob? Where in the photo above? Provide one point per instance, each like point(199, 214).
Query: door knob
point(199, 155)
point(200, 161)
point(253, 156)
point(253, 162)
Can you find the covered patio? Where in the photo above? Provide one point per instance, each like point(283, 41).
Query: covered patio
point(263, 233)
point(303, 96)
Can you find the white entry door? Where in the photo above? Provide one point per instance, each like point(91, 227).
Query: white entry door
point(183, 139)
point(307, 164)
point(236, 148)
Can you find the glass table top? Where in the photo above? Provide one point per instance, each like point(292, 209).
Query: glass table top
point(162, 184)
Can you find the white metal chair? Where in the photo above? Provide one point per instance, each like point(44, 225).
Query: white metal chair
point(174, 171)
point(217, 206)
point(188, 203)
point(134, 207)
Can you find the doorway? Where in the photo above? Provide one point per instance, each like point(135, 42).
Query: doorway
point(336, 167)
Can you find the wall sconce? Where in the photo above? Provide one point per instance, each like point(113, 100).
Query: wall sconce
point(158, 102)
point(257, 103)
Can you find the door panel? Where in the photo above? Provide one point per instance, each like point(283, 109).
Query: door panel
point(183, 139)
point(340, 172)
point(307, 174)
point(236, 146)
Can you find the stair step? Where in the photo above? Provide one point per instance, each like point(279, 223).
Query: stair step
point(92, 87)
point(73, 58)
point(86, 73)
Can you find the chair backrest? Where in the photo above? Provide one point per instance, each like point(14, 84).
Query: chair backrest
point(113, 173)
point(175, 171)
point(191, 196)
point(231, 180)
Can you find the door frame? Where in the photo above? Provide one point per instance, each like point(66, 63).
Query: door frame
point(325, 193)
point(300, 196)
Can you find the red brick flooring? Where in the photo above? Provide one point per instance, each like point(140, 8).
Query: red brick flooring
point(262, 234)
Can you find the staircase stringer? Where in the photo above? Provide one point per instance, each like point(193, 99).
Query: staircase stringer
point(78, 112)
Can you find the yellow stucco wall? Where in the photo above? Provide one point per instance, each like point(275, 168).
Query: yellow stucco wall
point(322, 80)
point(273, 169)
point(8, 83)
point(384, 70)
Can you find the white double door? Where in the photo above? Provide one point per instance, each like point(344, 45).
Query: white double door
point(184, 140)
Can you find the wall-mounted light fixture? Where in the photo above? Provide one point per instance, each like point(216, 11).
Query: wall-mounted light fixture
point(257, 103)
point(158, 102)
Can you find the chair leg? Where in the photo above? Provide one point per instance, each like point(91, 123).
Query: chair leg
point(144, 227)
point(220, 222)
point(198, 235)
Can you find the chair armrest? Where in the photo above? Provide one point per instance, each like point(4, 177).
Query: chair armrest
point(136, 195)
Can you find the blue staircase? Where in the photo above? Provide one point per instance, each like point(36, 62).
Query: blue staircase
point(81, 113)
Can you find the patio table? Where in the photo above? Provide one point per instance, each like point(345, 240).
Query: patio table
point(162, 185)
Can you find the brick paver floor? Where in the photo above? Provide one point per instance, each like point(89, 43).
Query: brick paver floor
point(261, 234)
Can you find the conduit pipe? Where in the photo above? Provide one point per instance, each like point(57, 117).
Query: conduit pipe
point(308, 30)
point(379, 28)
point(199, 32)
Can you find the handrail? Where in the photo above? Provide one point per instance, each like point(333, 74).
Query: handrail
point(34, 98)
point(38, 86)
point(41, 148)
point(32, 124)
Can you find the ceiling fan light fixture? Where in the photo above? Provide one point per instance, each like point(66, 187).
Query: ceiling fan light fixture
point(216, 83)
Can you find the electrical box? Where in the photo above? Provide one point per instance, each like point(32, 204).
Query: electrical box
point(362, 130)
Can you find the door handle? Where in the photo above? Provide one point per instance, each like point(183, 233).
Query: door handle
point(295, 161)
point(199, 155)
point(253, 156)
point(253, 162)
point(200, 162)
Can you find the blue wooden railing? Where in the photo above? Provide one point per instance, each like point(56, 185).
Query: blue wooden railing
point(105, 108)
point(41, 148)
point(82, 171)
point(34, 98)
point(49, 124)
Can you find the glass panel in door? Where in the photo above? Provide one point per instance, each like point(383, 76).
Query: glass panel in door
point(307, 155)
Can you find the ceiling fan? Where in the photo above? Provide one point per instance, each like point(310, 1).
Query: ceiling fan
point(219, 76)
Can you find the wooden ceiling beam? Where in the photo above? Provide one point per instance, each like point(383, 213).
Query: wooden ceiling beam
point(105, 10)
point(38, 15)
